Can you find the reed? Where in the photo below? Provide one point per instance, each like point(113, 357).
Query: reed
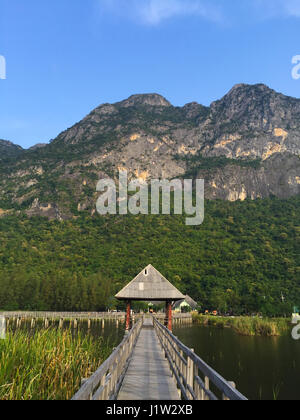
point(47, 365)
point(246, 325)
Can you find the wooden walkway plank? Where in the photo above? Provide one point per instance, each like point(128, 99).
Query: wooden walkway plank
point(148, 376)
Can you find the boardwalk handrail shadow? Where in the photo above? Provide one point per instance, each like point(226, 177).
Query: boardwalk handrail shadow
point(105, 383)
point(192, 374)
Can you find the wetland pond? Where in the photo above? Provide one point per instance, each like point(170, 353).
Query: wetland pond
point(263, 368)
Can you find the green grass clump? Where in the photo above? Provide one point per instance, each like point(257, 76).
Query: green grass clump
point(246, 325)
point(48, 365)
point(260, 327)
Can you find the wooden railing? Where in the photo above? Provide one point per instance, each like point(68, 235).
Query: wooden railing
point(177, 317)
point(105, 383)
point(63, 315)
point(195, 379)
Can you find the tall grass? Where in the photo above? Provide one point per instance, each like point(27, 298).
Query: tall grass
point(247, 326)
point(48, 365)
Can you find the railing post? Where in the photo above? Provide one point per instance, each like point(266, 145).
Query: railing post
point(197, 388)
point(176, 361)
point(206, 398)
point(181, 365)
point(190, 375)
point(104, 394)
point(224, 396)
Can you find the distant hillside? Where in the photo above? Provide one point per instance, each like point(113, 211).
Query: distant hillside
point(244, 258)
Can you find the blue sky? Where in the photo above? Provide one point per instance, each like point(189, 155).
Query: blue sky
point(66, 57)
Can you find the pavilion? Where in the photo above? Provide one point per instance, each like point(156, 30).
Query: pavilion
point(150, 286)
point(188, 302)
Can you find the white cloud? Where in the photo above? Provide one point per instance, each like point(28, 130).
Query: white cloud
point(292, 7)
point(278, 8)
point(154, 12)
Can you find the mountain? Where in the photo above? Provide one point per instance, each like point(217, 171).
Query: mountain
point(246, 145)
point(38, 146)
point(8, 149)
point(244, 258)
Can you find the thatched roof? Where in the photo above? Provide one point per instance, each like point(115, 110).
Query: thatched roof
point(188, 300)
point(150, 285)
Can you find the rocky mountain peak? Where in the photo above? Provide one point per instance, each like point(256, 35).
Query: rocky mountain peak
point(150, 99)
point(258, 87)
point(258, 106)
point(194, 109)
point(9, 149)
point(6, 143)
point(38, 146)
point(243, 93)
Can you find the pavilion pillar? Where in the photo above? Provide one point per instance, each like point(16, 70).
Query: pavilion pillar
point(168, 319)
point(128, 315)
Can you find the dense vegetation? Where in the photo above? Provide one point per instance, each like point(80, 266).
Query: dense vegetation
point(244, 259)
point(48, 365)
point(198, 162)
point(247, 326)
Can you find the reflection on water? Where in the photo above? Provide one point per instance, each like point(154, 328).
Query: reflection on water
point(262, 368)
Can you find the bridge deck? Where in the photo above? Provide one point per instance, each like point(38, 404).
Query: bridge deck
point(148, 376)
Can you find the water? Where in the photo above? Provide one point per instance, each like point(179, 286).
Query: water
point(262, 368)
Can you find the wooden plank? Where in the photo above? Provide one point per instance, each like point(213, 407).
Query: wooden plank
point(148, 376)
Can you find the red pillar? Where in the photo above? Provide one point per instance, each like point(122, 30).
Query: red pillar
point(166, 315)
point(170, 327)
point(128, 315)
point(168, 320)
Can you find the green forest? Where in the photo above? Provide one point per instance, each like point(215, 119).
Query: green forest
point(244, 258)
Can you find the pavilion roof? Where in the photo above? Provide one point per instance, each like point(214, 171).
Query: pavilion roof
point(191, 302)
point(150, 285)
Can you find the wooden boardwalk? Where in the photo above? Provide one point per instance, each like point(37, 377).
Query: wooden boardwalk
point(148, 376)
point(152, 364)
